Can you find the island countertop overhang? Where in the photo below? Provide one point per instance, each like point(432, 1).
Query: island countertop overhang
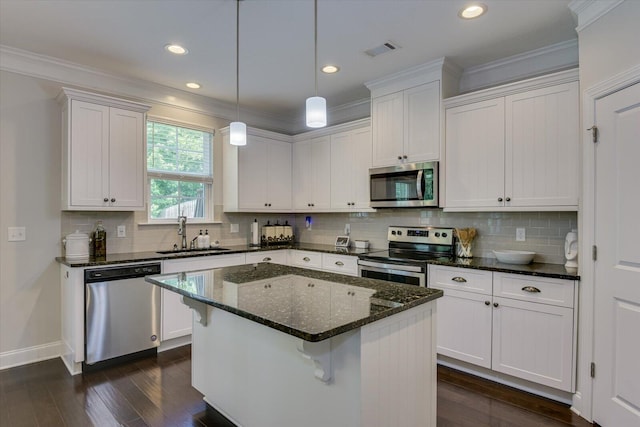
point(307, 304)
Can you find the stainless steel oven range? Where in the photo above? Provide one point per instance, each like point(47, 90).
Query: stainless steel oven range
point(406, 259)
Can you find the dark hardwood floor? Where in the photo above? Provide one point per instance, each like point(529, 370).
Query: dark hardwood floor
point(158, 392)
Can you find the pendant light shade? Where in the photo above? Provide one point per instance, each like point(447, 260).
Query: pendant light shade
point(237, 133)
point(316, 112)
point(316, 105)
point(237, 129)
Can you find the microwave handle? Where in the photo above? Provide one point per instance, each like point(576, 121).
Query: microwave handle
point(419, 182)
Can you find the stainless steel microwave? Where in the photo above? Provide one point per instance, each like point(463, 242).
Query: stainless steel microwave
point(409, 185)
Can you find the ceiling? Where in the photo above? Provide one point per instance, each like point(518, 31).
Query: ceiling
point(127, 38)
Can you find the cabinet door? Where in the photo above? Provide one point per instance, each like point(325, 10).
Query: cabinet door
point(360, 155)
point(464, 327)
point(321, 172)
point(89, 155)
point(542, 147)
point(387, 122)
point(475, 155)
point(252, 174)
point(422, 122)
point(126, 159)
point(302, 175)
point(341, 171)
point(278, 175)
point(534, 342)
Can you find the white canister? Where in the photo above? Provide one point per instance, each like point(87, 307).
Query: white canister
point(76, 245)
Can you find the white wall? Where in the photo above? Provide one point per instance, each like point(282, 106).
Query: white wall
point(30, 188)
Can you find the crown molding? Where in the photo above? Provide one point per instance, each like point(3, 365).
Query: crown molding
point(71, 74)
point(330, 130)
point(513, 88)
point(589, 11)
point(414, 76)
point(548, 59)
point(348, 112)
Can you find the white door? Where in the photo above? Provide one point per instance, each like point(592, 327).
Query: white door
point(278, 175)
point(617, 269)
point(422, 122)
point(126, 158)
point(387, 113)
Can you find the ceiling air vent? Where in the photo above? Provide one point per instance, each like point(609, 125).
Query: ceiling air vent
point(383, 48)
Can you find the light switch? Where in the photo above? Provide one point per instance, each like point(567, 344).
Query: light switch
point(235, 228)
point(17, 234)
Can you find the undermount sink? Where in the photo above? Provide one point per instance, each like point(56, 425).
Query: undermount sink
point(192, 251)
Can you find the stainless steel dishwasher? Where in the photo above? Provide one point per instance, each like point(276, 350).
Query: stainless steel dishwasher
point(122, 312)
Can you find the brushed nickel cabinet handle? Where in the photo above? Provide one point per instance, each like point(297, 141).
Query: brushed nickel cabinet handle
point(339, 263)
point(113, 199)
point(499, 199)
point(508, 199)
point(105, 200)
point(495, 304)
point(459, 279)
point(531, 289)
point(266, 259)
point(306, 259)
point(487, 303)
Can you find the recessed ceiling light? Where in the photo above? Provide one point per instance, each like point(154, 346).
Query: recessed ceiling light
point(193, 85)
point(176, 48)
point(330, 69)
point(472, 11)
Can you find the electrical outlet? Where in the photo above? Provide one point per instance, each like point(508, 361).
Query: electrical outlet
point(17, 234)
point(235, 228)
point(122, 231)
point(520, 235)
point(347, 229)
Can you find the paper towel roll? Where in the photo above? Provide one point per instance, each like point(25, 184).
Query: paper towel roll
point(255, 236)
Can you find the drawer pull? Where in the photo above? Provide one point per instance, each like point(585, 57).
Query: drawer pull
point(339, 263)
point(306, 259)
point(459, 279)
point(531, 289)
point(266, 259)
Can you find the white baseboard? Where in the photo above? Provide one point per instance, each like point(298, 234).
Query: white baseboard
point(24, 356)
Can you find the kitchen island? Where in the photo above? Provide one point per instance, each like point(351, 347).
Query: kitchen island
point(283, 346)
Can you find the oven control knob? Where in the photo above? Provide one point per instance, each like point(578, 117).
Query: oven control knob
point(444, 234)
point(399, 233)
point(437, 234)
point(393, 232)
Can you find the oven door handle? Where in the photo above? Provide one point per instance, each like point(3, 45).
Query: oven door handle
point(395, 267)
point(419, 188)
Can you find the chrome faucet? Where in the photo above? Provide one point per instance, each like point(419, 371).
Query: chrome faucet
point(182, 230)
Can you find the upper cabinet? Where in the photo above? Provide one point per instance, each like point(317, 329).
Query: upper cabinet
point(515, 147)
point(350, 163)
point(311, 172)
point(257, 176)
point(103, 152)
point(406, 113)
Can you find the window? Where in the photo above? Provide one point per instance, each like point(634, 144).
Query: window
point(180, 171)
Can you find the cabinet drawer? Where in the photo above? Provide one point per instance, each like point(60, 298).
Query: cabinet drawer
point(306, 259)
point(344, 264)
point(462, 279)
point(276, 257)
point(535, 289)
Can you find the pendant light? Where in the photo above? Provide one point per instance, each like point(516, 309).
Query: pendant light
point(316, 105)
point(237, 129)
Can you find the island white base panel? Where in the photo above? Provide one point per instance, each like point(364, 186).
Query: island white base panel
point(382, 375)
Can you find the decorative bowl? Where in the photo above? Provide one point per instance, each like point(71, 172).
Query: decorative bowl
point(514, 257)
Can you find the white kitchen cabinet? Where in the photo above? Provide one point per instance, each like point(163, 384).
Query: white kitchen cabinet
point(257, 176)
point(350, 163)
point(515, 152)
point(72, 309)
point(406, 125)
point(518, 325)
point(176, 317)
point(275, 257)
point(464, 313)
point(311, 172)
point(343, 264)
point(305, 259)
point(103, 152)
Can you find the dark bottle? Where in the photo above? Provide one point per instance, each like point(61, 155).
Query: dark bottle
point(99, 241)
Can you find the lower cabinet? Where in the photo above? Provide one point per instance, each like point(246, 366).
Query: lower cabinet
point(522, 325)
point(276, 257)
point(176, 317)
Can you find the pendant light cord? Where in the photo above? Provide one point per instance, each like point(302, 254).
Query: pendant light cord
point(238, 60)
point(315, 41)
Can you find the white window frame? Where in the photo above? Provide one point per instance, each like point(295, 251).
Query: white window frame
point(208, 181)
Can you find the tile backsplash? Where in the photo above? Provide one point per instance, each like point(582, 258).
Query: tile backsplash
point(545, 231)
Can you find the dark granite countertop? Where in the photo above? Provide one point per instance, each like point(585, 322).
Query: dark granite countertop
point(130, 257)
point(556, 271)
point(308, 304)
